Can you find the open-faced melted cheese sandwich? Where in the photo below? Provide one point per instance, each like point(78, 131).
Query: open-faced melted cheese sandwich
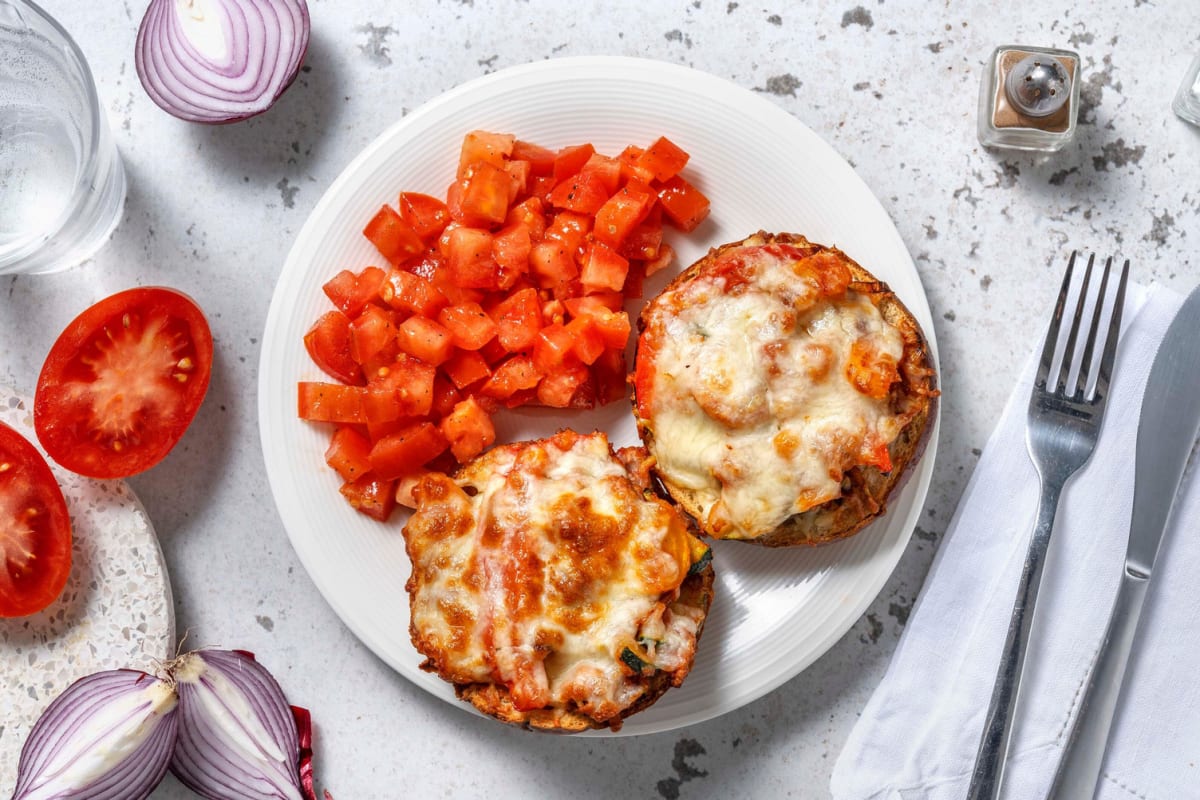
point(782, 390)
point(552, 587)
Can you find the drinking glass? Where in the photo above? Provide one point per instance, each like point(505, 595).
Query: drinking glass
point(62, 186)
point(1187, 99)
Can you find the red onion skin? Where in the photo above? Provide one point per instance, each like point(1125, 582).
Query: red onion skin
point(186, 84)
point(203, 762)
point(133, 778)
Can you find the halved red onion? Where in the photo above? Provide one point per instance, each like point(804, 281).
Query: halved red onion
point(237, 735)
point(109, 736)
point(217, 61)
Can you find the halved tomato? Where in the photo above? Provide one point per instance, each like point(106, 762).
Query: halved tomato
point(35, 531)
point(123, 382)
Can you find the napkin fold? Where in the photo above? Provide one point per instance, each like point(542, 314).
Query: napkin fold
point(918, 734)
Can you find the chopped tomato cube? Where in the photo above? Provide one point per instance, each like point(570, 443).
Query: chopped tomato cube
point(603, 269)
point(554, 311)
point(630, 168)
point(482, 195)
point(607, 169)
point(511, 247)
point(518, 179)
point(409, 292)
point(570, 229)
point(445, 397)
point(610, 301)
point(350, 293)
point(371, 495)
point(663, 159)
point(551, 348)
point(621, 214)
point(467, 367)
point(517, 373)
point(583, 192)
point(328, 344)
point(531, 213)
point(425, 339)
point(394, 238)
point(371, 333)
point(559, 389)
point(469, 324)
point(469, 430)
point(635, 279)
point(518, 318)
point(427, 215)
point(541, 159)
point(485, 147)
point(347, 453)
point(570, 160)
point(684, 204)
point(330, 402)
point(611, 376)
point(470, 258)
point(613, 326)
point(405, 386)
point(552, 264)
point(644, 240)
point(586, 341)
point(407, 450)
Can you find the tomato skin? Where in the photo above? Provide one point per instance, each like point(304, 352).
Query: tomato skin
point(684, 204)
point(394, 238)
point(329, 345)
point(427, 215)
point(122, 383)
point(371, 495)
point(34, 519)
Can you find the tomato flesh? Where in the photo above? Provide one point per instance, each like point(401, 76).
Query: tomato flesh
point(123, 382)
point(35, 530)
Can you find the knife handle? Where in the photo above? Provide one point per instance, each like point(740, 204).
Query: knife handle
point(1078, 772)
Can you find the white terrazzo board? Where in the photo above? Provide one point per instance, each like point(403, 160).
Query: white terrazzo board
point(115, 611)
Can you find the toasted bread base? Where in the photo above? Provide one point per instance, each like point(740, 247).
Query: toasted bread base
point(865, 489)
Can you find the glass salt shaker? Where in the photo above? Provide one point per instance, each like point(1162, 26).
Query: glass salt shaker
point(1187, 99)
point(1029, 98)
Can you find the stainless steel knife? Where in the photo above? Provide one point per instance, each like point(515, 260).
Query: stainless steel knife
point(1167, 430)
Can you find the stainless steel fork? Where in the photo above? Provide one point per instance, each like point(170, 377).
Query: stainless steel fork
point(1061, 432)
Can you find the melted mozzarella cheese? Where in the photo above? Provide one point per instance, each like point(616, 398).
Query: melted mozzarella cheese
point(540, 575)
point(752, 407)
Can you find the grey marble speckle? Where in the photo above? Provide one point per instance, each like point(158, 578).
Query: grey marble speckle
point(996, 262)
point(685, 749)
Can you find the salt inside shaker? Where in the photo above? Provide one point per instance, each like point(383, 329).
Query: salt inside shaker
point(1029, 98)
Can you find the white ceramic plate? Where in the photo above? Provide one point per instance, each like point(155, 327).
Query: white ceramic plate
point(775, 611)
point(115, 610)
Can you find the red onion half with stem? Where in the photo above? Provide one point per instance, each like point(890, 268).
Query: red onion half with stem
point(109, 736)
point(237, 734)
point(218, 61)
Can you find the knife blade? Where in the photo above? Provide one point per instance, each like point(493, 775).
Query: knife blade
point(1167, 429)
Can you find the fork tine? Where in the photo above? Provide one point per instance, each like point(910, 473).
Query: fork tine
point(1055, 322)
point(1110, 345)
point(1069, 352)
point(1085, 366)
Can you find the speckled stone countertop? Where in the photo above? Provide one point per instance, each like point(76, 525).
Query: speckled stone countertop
point(891, 84)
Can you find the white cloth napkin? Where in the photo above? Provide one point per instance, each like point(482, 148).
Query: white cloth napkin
point(918, 735)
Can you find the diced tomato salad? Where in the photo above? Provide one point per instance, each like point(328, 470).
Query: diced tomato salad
point(509, 292)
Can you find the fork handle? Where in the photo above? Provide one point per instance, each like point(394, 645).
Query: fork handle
point(988, 773)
